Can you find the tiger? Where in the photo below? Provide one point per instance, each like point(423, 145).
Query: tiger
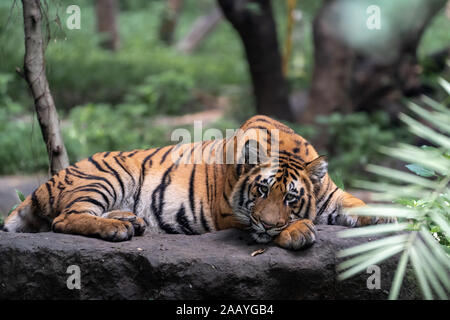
point(276, 186)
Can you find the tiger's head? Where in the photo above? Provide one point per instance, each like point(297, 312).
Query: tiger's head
point(271, 194)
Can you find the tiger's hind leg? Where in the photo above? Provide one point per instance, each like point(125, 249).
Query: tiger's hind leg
point(89, 225)
point(138, 223)
point(350, 201)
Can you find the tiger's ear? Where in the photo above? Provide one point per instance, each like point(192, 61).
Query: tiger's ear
point(317, 169)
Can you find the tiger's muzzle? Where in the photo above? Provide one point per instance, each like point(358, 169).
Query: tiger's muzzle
point(264, 232)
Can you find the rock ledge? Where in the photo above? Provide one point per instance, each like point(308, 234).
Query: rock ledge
point(159, 266)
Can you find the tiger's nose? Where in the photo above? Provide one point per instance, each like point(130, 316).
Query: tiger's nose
point(269, 225)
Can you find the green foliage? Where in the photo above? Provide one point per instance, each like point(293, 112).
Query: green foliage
point(420, 202)
point(436, 36)
point(302, 57)
point(80, 72)
point(123, 127)
point(420, 170)
point(19, 154)
point(16, 135)
point(88, 129)
point(306, 131)
point(147, 78)
point(20, 196)
point(355, 140)
point(23, 148)
point(21, 140)
point(8, 106)
point(253, 7)
point(164, 93)
point(242, 104)
point(441, 203)
point(338, 179)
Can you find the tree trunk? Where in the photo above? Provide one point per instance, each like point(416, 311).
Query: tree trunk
point(332, 59)
point(349, 78)
point(200, 30)
point(289, 30)
point(34, 72)
point(169, 21)
point(106, 11)
point(254, 21)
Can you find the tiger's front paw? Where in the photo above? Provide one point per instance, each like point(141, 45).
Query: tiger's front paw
point(298, 235)
point(116, 230)
point(139, 226)
point(138, 223)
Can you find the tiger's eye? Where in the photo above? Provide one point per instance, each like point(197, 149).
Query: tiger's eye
point(263, 189)
point(290, 197)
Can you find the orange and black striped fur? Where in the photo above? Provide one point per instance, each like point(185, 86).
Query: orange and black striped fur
point(115, 195)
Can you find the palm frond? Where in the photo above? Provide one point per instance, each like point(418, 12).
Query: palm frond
point(445, 84)
point(425, 132)
point(381, 210)
point(411, 154)
point(361, 263)
point(421, 205)
point(402, 176)
point(399, 273)
point(372, 245)
point(374, 230)
point(440, 120)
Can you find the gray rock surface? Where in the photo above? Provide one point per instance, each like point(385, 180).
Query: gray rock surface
point(159, 266)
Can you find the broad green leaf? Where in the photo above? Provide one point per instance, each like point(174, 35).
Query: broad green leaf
point(420, 170)
point(337, 179)
point(428, 159)
point(402, 176)
point(13, 208)
point(20, 195)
